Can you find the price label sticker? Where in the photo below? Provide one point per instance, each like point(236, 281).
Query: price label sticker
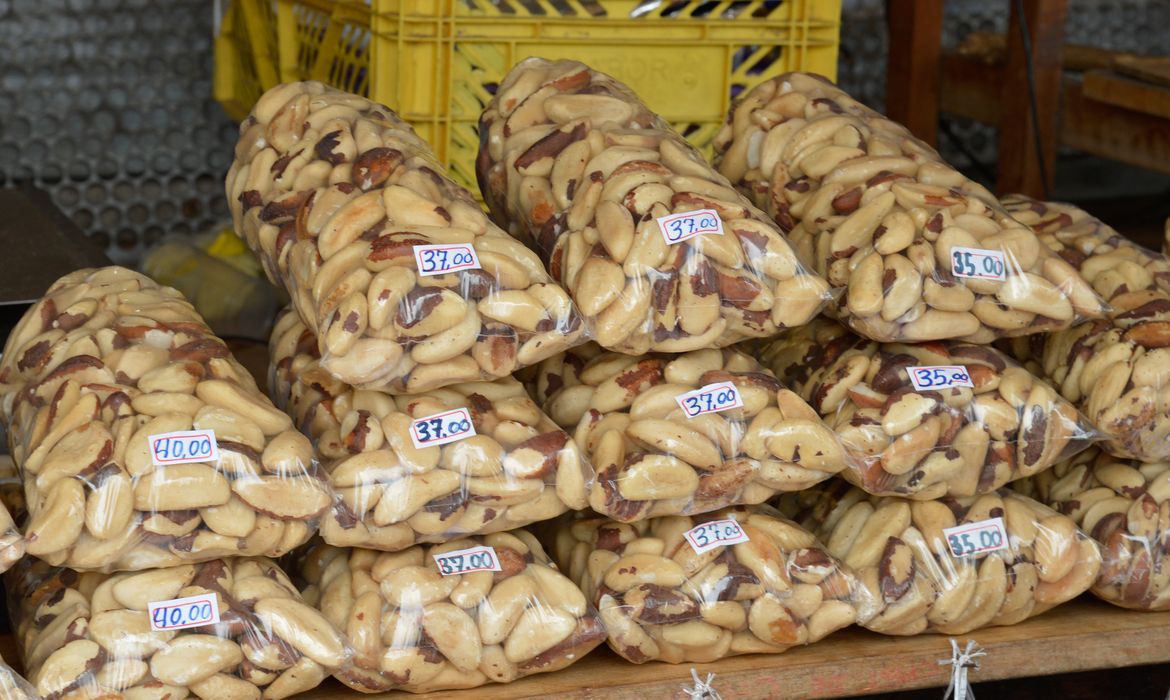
point(978, 263)
point(712, 398)
point(181, 613)
point(976, 538)
point(465, 561)
point(716, 533)
point(442, 428)
point(940, 377)
point(679, 227)
point(441, 259)
point(183, 446)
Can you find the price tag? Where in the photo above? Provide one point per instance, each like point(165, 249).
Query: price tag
point(180, 613)
point(940, 377)
point(465, 561)
point(976, 538)
point(716, 533)
point(441, 259)
point(712, 398)
point(978, 263)
point(442, 428)
point(679, 227)
point(183, 446)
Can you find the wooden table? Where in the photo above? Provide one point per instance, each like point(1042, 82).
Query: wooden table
point(1083, 635)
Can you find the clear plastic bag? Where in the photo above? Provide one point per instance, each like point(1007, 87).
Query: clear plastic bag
point(1117, 371)
point(513, 466)
point(577, 166)
point(415, 628)
point(93, 635)
point(406, 283)
point(96, 380)
point(923, 252)
point(668, 590)
point(1125, 506)
point(685, 434)
point(1006, 559)
point(932, 419)
point(13, 686)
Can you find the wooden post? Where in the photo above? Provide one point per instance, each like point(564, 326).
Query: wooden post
point(1019, 167)
point(913, 64)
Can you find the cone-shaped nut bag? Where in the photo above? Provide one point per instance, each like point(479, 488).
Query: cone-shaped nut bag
point(406, 283)
point(657, 249)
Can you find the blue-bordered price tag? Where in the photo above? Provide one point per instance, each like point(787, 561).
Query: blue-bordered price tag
point(972, 539)
point(712, 398)
point(182, 447)
point(181, 613)
point(442, 428)
point(465, 561)
point(978, 263)
point(940, 377)
point(441, 259)
point(679, 227)
point(715, 533)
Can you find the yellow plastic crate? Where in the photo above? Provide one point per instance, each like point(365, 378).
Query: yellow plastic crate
point(437, 62)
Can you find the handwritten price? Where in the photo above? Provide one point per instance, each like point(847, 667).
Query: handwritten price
point(941, 377)
point(467, 560)
point(978, 263)
point(716, 533)
point(183, 446)
point(680, 227)
point(180, 613)
point(976, 538)
point(712, 398)
point(442, 428)
point(440, 259)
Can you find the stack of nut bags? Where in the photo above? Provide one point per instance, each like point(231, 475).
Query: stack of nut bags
point(951, 565)
point(944, 418)
point(679, 589)
point(145, 448)
point(657, 249)
point(477, 610)
point(923, 252)
point(469, 458)
point(1125, 506)
point(229, 629)
point(1116, 370)
point(397, 271)
point(687, 433)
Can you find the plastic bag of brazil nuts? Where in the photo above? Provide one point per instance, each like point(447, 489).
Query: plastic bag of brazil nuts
point(952, 565)
point(656, 247)
point(923, 252)
point(468, 458)
point(930, 419)
point(227, 629)
point(695, 589)
point(1125, 506)
point(141, 441)
point(684, 434)
point(398, 271)
point(473, 611)
point(13, 686)
point(1117, 370)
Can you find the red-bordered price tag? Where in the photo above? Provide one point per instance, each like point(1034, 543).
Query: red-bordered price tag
point(181, 613)
point(676, 228)
point(715, 533)
point(712, 398)
point(182, 447)
point(442, 428)
point(978, 263)
point(940, 377)
point(981, 537)
point(465, 561)
point(441, 259)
